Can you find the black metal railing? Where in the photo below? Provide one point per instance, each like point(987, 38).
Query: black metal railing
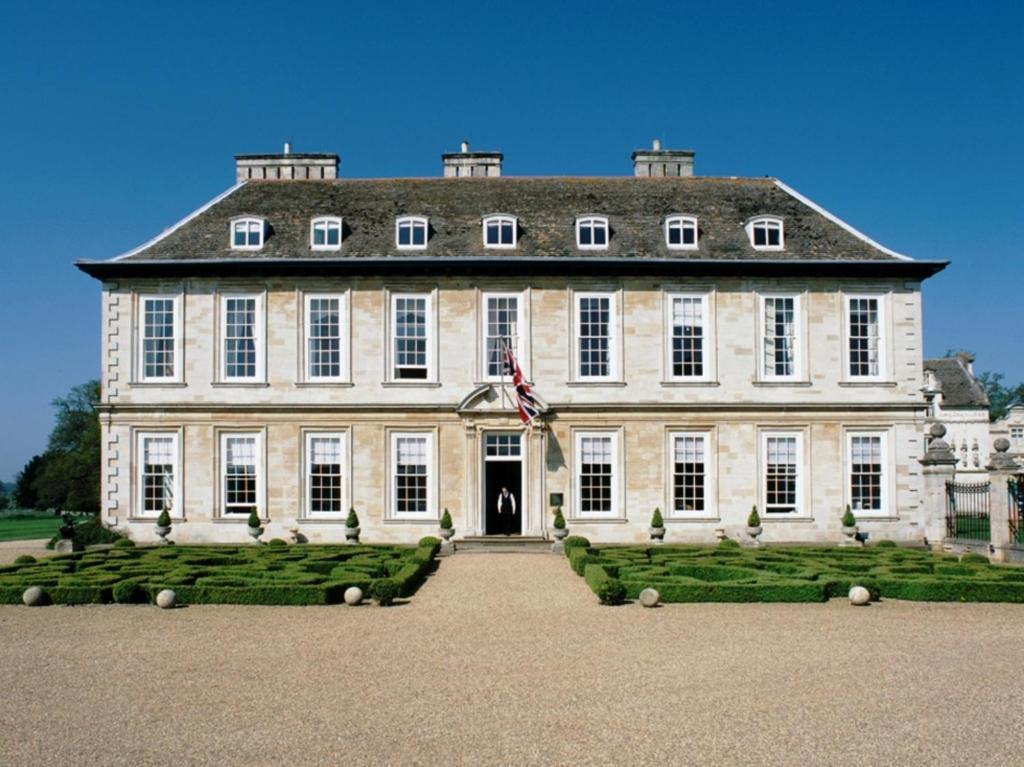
point(967, 511)
point(1015, 491)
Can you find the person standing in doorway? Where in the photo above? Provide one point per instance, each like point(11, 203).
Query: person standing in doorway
point(506, 508)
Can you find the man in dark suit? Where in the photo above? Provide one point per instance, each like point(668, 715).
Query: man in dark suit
point(506, 510)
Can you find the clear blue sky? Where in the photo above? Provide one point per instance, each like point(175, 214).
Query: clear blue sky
point(905, 119)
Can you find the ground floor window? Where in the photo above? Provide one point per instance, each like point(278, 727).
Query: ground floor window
point(412, 465)
point(689, 473)
point(325, 474)
point(158, 474)
point(240, 474)
point(867, 464)
point(596, 476)
point(782, 455)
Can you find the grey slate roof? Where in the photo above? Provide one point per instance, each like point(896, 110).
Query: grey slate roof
point(959, 387)
point(546, 209)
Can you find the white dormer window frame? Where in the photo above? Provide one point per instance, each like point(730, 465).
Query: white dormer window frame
point(587, 232)
point(685, 228)
point(412, 223)
point(253, 231)
point(762, 230)
point(505, 229)
point(329, 228)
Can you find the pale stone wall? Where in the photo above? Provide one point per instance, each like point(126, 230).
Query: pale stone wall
point(734, 405)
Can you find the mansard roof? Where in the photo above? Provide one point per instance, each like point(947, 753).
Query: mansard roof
point(546, 210)
point(958, 385)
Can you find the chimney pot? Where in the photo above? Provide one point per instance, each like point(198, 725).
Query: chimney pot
point(465, 147)
point(287, 147)
point(657, 145)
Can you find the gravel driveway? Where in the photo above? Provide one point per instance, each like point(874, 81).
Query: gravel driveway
point(507, 659)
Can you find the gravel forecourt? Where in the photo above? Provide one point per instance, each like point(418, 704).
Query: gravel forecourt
point(507, 659)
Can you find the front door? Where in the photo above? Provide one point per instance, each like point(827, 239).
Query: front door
point(503, 468)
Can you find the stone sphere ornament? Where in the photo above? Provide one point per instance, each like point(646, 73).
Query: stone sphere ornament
point(353, 595)
point(34, 597)
point(166, 599)
point(650, 597)
point(859, 596)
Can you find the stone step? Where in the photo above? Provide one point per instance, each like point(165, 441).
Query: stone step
point(502, 543)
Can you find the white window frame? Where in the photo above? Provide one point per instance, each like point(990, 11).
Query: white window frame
point(259, 338)
point(344, 338)
point(431, 515)
point(710, 510)
point(798, 337)
point(769, 222)
point(499, 219)
point(800, 507)
point(412, 221)
point(307, 477)
point(431, 326)
point(222, 465)
point(1016, 436)
point(614, 336)
point(176, 510)
point(178, 345)
point(328, 223)
point(617, 510)
point(248, 222)
point(593, 221)
point(885, 481)
point(883, 337)
point(707, 336)
point(520, 346)
point(682, 223)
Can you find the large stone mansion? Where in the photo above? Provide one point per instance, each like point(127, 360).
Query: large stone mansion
point(304, 343)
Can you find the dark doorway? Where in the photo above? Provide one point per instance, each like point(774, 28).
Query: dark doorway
point(499, 474)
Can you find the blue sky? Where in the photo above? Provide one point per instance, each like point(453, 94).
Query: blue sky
point(902, 118)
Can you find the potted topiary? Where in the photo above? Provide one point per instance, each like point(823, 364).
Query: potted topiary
point(657, 527)
point(754, 526)
point(446, 530)
point(255, 528)
point(352, 528)
point(849, 528)
point(163, 525)
point(559, 528)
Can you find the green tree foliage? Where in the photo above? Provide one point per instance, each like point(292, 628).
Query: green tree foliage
point(69, 474)
point(25, 495)
point(1000, 396)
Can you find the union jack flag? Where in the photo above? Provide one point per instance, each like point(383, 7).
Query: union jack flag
point(525, 403)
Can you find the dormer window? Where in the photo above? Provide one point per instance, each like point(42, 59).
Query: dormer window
point(247, 233)
point(500, 232)
point(411, 233)
point(325, 233)
point(681, 232)
point(766, 233)
point(592, 233)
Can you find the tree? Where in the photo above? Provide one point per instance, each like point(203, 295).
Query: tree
point(1000, 396)
point(70, 473)
point(25, 495)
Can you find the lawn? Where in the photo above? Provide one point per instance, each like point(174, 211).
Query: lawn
point(728, 573)
point(254, 575)
point(25, 524)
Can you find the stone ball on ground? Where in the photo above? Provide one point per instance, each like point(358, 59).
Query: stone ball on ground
point(649, 597)
point(34, 596)
point(859, 595)
point(166, 599)
point(353, 595)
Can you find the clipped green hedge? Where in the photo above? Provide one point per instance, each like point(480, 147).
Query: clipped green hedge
point(265, 575)
point(793, 574)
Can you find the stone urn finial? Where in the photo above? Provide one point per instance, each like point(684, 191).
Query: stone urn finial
point(937, 431)
point(1000, 461)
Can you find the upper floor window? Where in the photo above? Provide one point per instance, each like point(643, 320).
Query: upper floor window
point(247, 233)
point(596, 336)
point(864, 336)
point(159, 338)
point(411, 337)
point(780, 337)
point(688, 315)
point(325, 233)
point(411, 232)
point(242, 337)
point(681, 232)
point(502, 328)
point(326, 356)
point(592, 232)
point(500, 232)
point(766, 233)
